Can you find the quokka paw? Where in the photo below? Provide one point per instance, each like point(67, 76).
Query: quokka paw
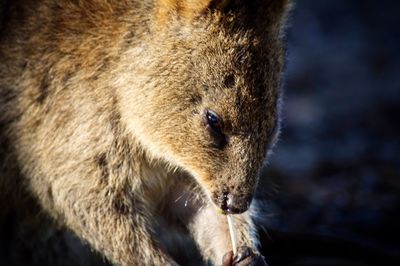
point(245, 257)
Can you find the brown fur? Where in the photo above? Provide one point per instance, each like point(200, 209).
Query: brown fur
point(101, 118)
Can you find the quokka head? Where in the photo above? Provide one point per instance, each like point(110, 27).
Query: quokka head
point(202, 91)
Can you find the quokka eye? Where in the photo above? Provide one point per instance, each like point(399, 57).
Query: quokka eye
point(214, 121)
point(215, 126)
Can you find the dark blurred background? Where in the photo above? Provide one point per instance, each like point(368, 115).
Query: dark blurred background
point(332, 188)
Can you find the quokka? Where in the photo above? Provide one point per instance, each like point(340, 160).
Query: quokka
point(130, 123)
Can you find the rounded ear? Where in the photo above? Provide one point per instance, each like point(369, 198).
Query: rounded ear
point(279, 8)
point(270, 15)
point(186, 8)
point(275, 10)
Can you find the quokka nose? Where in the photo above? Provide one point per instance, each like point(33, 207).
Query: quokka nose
point(233, 204)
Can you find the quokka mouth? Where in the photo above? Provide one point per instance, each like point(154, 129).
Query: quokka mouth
point(227, 203)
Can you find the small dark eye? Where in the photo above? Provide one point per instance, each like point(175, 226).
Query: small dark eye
point(214, 124)
point(213, 120)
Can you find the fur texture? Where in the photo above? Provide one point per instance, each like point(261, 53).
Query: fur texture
point(103, 130)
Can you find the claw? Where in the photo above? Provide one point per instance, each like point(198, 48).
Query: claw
point(243, 252)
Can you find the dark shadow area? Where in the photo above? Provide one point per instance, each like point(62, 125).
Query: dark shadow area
point(333, 185)
point(295, 249)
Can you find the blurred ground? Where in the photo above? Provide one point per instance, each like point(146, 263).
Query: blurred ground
point(336, 170)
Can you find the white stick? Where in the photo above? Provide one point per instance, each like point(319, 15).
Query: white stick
point(232, 231)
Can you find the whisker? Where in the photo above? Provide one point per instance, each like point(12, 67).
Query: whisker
point(179, 198)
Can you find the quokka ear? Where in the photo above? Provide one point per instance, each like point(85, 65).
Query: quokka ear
point(281, 10)
point(270, 15)
point(271, 8)
point(279, 7)
point(275, 10)
point(186, 8)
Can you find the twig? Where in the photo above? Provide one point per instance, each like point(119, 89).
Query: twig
point(232, 232)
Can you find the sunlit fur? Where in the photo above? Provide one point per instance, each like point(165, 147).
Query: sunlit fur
point(101, 117)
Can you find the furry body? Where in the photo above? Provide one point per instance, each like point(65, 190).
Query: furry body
point(102, 129)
